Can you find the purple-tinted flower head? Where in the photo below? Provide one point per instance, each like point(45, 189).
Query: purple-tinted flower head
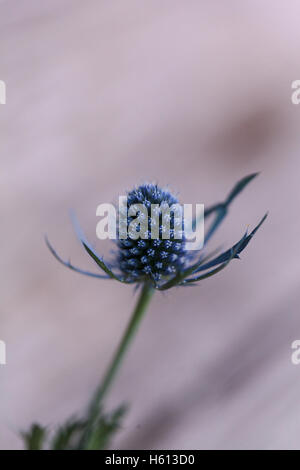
point(152, 258)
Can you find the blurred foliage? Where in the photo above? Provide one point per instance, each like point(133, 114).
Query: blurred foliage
point(75, 433)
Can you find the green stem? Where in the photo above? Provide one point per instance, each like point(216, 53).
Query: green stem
point(141, 306)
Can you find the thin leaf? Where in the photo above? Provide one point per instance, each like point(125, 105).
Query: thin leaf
point(101, 263)
point(221, 209)
point(226, 255)
point(90, 250)
point(233, 253)
point(221, 212)
point(187, 282)
point(240, 185)
point(223, 258)
point(70, 266)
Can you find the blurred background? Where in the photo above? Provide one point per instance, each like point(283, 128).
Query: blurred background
point(105, 95)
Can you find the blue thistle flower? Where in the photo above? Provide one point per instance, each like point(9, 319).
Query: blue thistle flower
point(152, 258)
point(165, 263)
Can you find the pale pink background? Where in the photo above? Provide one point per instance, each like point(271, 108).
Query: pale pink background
point(102, 95)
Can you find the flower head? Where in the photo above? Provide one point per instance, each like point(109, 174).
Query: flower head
point(164, 261)
point(152, 258)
